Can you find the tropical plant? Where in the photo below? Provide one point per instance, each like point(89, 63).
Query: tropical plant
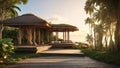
point(89, 40)
point(8, 10)
point(6, 48)
point(10, 33)
point(105, 13)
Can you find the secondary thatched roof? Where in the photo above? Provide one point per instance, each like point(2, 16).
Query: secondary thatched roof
point(32, 20)
point(26, 20)
point(63, 27)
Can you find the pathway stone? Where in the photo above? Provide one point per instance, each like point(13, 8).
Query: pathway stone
point(63, 52)
point(59, 61)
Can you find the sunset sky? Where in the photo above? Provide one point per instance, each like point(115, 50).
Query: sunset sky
point(59, 12)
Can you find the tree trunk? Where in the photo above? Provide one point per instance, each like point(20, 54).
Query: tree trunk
point(117, 32)
point(111, 43)
point(1, 30)
point(106, 46)
point(100, 41)
point(2, 17)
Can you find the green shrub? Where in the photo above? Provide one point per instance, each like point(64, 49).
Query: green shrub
point(103, 56)
point(6, 48)
point(10, 33)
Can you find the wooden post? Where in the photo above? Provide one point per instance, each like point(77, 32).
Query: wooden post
point(65, 36)
point(48, 35)
point(39, 36)
point(34, 36)
point(29, 35)
point(56, 36)
point(68, 37)
point(20, 36)
point(42, 36)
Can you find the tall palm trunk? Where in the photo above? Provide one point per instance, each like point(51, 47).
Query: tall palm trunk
point(117, 32)
point(95, 41)
point(2, 17)
point(100, 41)
point(106, 46)
point(111, 43)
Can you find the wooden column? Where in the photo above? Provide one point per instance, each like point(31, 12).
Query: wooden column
point(20, 36)
point(68, 36)
point(56, 36)
point(34, 36)
point(63, 36)
point(41, 36)
point(39, 33)
point(48, 35)
point(29, 35)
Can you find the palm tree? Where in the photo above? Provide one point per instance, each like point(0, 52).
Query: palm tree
point(117, 32)
point(90, 21)
point(100, 33)
point(89, 40)
point(107, 9)
point(8, 9)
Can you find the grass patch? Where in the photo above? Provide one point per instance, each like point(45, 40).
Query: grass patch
point(103, 56)
point(17, 57)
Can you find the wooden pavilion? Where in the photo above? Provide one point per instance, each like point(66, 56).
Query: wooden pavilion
point(31, 27)
point(65, 28)
point(36, 30)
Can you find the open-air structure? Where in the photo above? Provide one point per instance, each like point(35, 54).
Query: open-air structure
point(29, 26)
point(65, 28)
point(37, 30)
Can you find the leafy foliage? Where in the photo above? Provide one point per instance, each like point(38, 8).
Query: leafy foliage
point(103, 56)
point(6, 48)
point(103, 20)
point(10, 33)
point(9, 9)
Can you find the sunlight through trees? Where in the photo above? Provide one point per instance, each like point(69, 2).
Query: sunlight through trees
point(104, 20)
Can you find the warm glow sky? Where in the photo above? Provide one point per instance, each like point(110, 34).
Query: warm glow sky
point(59, 12)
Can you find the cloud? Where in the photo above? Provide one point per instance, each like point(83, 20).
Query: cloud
point(57, 19)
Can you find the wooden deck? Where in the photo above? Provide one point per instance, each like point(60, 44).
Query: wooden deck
point(62, 45)
point(33, 49)
point(63, 52)
point(41, 48)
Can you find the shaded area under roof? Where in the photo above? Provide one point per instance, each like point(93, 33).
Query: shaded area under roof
point(63, 27)
point(26, 20)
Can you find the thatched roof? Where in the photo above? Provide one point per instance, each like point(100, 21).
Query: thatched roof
point(63, 27)
point(26, 20)
point(32, 20)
